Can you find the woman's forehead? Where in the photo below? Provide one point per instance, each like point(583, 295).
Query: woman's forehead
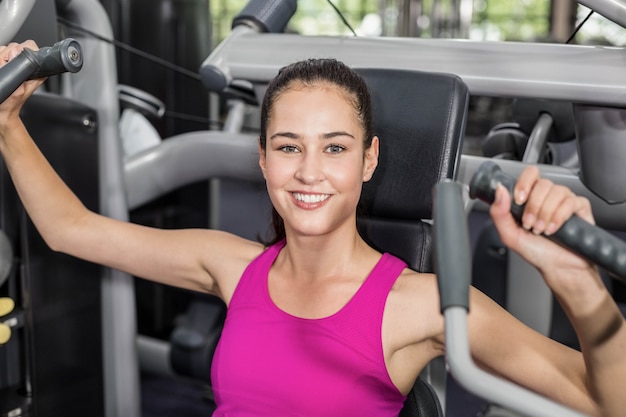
point(311, 102)
point(318, 85)
point(303, 92)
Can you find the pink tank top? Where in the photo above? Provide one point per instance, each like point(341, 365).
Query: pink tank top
point(270, 363)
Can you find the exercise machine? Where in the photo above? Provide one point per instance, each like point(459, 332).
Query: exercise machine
point(240, 66)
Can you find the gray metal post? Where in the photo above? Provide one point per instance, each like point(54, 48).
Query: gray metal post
point(13, 13)
point(96, 86)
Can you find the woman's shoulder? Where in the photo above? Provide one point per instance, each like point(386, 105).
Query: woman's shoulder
point(413, 285)
point(415, 295)
point(229, 247)
point(228, 258)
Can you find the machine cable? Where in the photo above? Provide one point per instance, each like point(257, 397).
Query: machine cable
point(342, 17)
point(578, 26)
point(216, 124)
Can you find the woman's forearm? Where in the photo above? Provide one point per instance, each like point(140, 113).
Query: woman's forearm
point(601, 331)
point(51, 205)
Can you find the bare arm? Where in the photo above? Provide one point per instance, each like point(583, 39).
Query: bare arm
point(600, 372)
point(202, 260)
point(504, 346)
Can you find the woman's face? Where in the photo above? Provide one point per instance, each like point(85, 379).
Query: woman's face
point(314, 163)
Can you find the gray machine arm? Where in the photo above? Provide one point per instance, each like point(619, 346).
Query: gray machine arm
point(614, 10)
point(13, 13)
point(509, 69)
point(187, 159)
point(452, 243)
point(96, 86)
point(498, 69)
point(258, 16)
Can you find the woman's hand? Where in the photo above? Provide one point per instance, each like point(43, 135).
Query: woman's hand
point(10, 108)
point(548, 206)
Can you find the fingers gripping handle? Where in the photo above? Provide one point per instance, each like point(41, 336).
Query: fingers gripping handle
point(452, 248)
point(63, 56)
point(585, 239)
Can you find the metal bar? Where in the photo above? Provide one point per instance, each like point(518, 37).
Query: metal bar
point(587, 74)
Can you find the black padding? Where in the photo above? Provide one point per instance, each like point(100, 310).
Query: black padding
point(410, 241)
point(420, 119)
point(422, 401)
point(505, 141)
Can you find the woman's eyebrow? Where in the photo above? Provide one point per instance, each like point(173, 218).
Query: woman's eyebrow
point(289, 135)
point(329, 135)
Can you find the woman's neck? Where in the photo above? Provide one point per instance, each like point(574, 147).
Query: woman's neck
point(318, 257)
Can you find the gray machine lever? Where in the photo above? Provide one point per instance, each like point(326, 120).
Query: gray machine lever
point(63, 56)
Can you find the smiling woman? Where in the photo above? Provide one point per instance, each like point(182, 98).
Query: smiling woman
point(316, 158)
point(318, 119)
point(318, 310)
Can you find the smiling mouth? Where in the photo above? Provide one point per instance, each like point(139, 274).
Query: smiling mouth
point(310, 198)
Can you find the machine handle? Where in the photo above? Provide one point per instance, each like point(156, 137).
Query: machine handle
point(257, 16)
point(452, 247)
point(587, 240)
point(453, 268)
point(266, 15)
point(63, 56)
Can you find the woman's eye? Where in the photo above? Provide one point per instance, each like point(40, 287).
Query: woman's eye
point(335, 148)
point(288, 149)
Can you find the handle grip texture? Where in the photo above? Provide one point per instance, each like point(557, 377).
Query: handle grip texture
point(63, 56)
point(267, 15)
point(587, 240)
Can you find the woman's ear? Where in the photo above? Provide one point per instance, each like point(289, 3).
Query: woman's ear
point(262, 159)
point(371, 160)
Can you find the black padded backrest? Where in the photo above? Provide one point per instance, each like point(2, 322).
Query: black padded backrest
point(420, 120)
point(422, 401)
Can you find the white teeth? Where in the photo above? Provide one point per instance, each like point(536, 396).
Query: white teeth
point(310, 198)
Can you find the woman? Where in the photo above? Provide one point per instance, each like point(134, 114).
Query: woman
point(318, 322)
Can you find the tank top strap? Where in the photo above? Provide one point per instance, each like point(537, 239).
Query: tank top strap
point(385, 273)
point(252, 284)
point(373, 293)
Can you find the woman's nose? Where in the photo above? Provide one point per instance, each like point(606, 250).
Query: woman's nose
point(310, 169)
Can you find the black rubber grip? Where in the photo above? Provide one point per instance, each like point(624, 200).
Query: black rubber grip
point(587, 240)
point(63, 56)
point(267, 15)
point(452, 248)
